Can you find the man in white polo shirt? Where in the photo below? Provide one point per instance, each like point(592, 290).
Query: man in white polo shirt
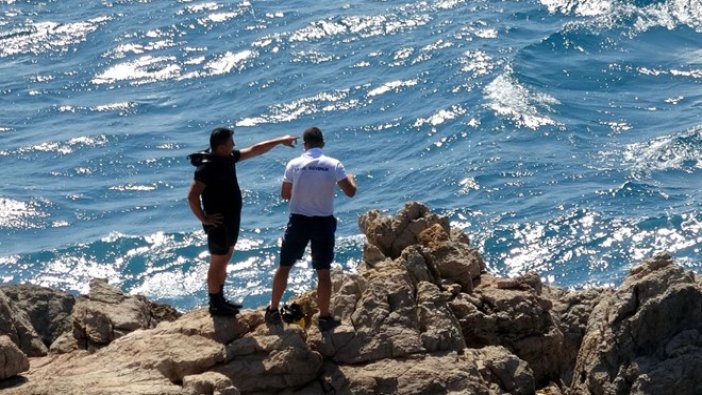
point(309, 184)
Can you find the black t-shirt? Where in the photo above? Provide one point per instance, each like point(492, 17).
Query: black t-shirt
point(222, 194)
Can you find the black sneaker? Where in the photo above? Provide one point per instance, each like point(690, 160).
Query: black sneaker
point(273, 317)
point(328, 323)
point(232, 305)
point(222, 309)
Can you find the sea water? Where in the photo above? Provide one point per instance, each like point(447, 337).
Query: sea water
point(564, 137)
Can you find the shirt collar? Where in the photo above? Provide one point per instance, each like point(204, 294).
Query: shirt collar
point(314, 152)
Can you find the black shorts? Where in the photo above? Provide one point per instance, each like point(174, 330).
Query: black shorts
point(302, 230)
point(223, 236)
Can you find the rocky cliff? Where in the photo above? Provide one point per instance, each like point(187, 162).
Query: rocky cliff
point(421, 316)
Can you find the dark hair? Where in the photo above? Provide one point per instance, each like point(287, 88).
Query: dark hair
point(219, 136)
point(313, 136)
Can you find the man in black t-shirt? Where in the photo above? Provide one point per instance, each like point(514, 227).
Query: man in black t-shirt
point(215, 199)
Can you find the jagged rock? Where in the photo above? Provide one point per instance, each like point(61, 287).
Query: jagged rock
point(645, 336)
point(439, 329)
point(106, 314)
point(387, 314)
point(453, 260)
point(504, 370)
point(209, 383)
point(81, 373)
point(472, 373)
point(516, 317)
point(573, 310)
point(383, 316)
point(12, 359)
point(151, 361)
point(48, 310)
point(64, 343)
point(424, 241)
point(393, 234)
point(372, 254)
point(15, 324)
point(551, 389)
point(270, 360)
point(412, 259)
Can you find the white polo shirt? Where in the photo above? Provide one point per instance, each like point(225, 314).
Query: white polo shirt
point(313, 176)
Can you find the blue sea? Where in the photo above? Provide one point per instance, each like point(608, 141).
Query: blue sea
point(563, 136)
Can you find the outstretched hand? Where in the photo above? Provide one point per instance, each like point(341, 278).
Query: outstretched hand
point(289, 140)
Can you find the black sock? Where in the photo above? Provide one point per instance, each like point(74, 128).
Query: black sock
point(215, 298)
point(221, 293)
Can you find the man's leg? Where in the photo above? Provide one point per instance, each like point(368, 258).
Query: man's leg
point(280, 282)
point(217, 272)
point(293, 246)
point(223, 274)
point(322, 257)
point(327, 322)
point(215, 278)
point(323, 291)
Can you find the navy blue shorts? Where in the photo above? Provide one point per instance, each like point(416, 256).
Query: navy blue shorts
point(220, 238)
point(302, 230)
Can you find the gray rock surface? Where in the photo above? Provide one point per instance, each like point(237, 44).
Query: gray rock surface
point(645, 336)
point(15, 323)
point(12, 359)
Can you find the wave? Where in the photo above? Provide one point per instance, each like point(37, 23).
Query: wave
point(513, 100)
point(636, 16)
point(65, 147)
point(675, 152)
point(40, 37)
point(15, 214)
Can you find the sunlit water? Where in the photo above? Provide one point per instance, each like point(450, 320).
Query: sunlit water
point(564, 137)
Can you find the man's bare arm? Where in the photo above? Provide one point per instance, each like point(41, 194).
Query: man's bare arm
point(265, 146)
point(194, 194)
point(348, 185)
point(286, 190)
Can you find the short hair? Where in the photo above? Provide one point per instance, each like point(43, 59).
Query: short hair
point(219, 136)
point(313, 136)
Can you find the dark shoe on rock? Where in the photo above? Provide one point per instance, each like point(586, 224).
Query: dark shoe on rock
point(328, 323)
point(233, 305)
point(223, 310)
point(273, 317)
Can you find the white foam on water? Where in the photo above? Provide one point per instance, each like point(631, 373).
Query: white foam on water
point(121, 106)
point(228, 61)
point(512, 100)
point(671, 152)
point(391, 86)
point(670, 14)
point(17, 214)
point(477, 63)
point(40, 37)
point(579, 7)
point(441, 116)
point(123, 50)
point(286, 112)
point(144, 70)
point(62, 147)
point(358, 27)
point(133, 188)
point(313, 57)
